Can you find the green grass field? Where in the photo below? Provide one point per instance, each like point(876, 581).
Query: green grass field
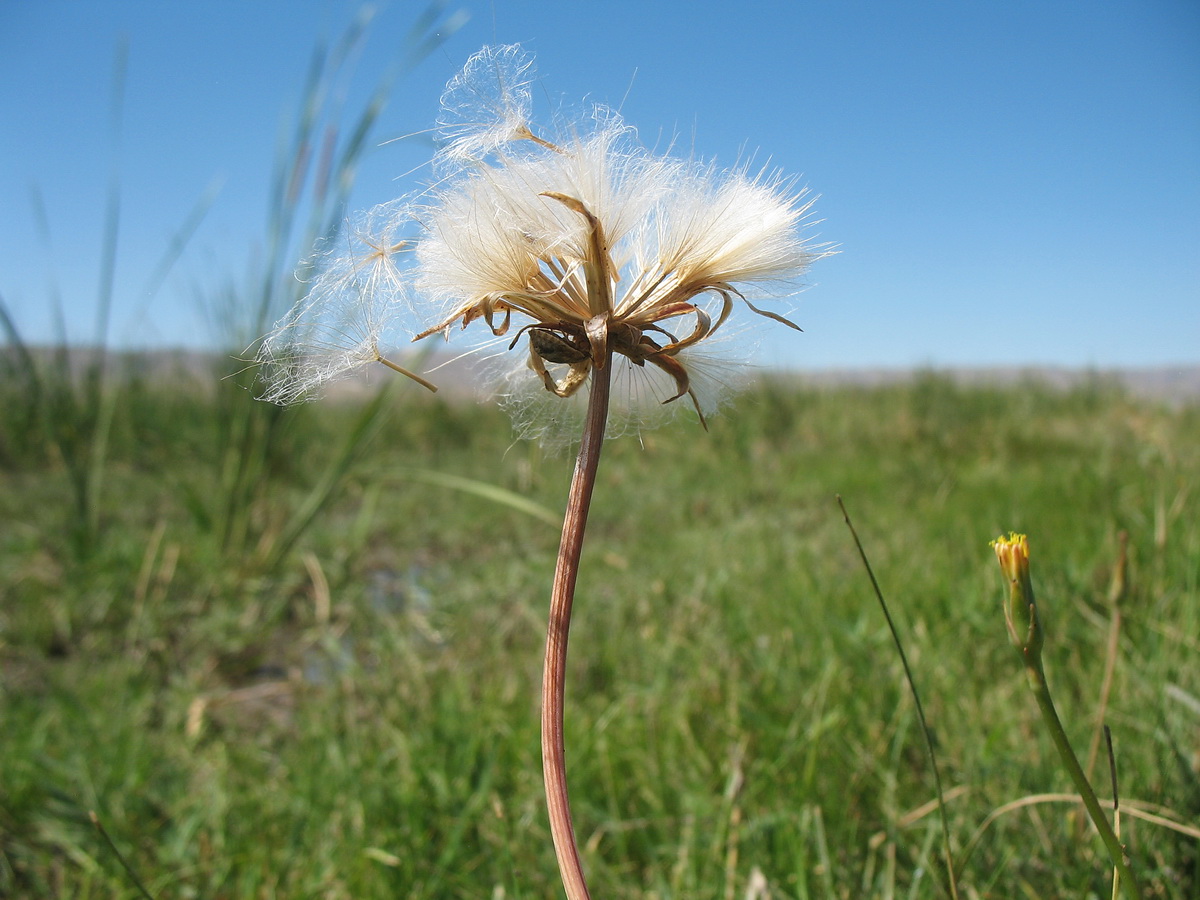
point(355, 716)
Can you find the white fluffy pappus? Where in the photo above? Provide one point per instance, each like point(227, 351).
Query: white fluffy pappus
point(578, 250)
point(359, 292)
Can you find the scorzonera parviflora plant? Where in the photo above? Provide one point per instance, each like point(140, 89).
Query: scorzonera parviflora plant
point(589, 256)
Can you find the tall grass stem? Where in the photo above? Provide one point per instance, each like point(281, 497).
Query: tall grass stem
point(133, 876)
point(912, 686)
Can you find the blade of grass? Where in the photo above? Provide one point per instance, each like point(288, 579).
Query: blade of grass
point(912, 686)
point(253, 432)
point(133, 876)
point(487, 491)
point(352, 448)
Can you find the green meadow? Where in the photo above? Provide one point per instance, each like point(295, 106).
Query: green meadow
point(296, 653)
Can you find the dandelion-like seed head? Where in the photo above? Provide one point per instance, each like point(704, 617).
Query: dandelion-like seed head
point(359, 290)
point(486, 105)
point(583, 249)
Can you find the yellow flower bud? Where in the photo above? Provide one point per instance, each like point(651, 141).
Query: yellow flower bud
point(1020, 612)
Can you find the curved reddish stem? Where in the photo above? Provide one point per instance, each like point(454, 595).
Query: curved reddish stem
point(562, 595)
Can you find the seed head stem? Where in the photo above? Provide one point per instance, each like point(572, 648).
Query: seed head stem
point(562, 595)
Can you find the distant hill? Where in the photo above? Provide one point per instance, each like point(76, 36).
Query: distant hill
point(1175, 384)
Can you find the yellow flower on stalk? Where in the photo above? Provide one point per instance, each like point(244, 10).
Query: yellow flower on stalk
point(588, 249)
point(1025, 629)
point(1020, 611)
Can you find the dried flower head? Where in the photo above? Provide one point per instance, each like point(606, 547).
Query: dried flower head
point(588, 249)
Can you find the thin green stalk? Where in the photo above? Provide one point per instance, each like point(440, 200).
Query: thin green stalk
point(1116, 804)
point(562, 596)
point(133, 876)
point(1036, 675)
point(1027, 635)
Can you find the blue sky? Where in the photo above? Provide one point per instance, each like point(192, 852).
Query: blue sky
point(1010, 183)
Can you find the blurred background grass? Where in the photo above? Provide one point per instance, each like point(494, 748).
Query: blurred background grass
point(360, 719)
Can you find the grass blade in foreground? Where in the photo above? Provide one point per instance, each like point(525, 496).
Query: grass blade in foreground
point(951, 877)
